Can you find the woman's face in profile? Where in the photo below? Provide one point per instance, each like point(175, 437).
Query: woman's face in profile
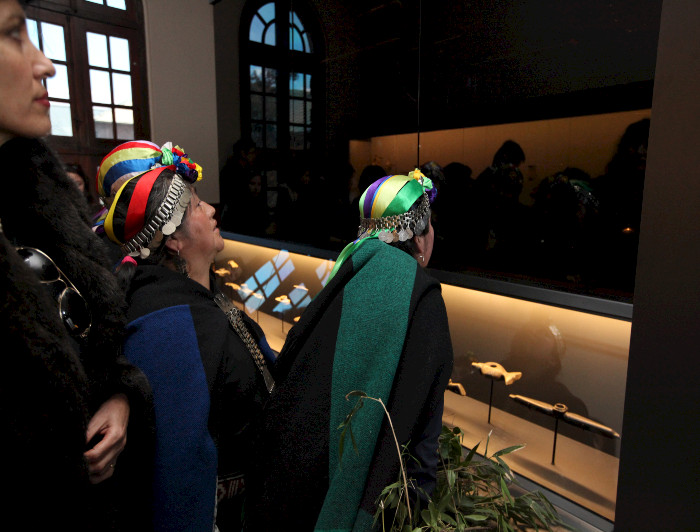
point(24, 103)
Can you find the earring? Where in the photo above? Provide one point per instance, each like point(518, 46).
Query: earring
point(422, 258)
point(181, 265)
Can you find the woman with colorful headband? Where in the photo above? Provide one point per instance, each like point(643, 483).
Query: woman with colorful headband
point(207, 361)
point(379, 326)
point(68, 398)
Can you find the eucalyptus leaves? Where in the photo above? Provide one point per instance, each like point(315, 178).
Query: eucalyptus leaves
point(472, 491)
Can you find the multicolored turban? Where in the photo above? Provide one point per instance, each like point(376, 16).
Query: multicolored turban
point(135, 157)
point(127, 176)
point(385, 210)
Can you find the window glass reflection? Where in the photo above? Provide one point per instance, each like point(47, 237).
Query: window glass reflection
point(119, 49)
point(271, 136)
point(58, 85)
point(100, 87)
point(270, 108)
point(267, 12)
point(256, 83)
point(103, 122)
point(296, 111)
point(54, 41)
point(270, 35)
point(256, 30)
point(97, 50)
point(61, 124)
point(256, 107)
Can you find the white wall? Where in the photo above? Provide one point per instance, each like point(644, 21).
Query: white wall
point(182, 82)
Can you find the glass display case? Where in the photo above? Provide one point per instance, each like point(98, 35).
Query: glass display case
point(562, 356)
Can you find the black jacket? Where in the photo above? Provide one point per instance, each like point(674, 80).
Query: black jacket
point(53, 384)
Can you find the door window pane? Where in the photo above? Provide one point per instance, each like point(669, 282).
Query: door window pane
point(97, 50)
point(58, 85)
point(99, 86)
point(121, 84)
point(117, 4)
point(61, 124)
point(54, 42)
point(103, 122)
point(125, 123)
point(308, 85)
point(119, 49)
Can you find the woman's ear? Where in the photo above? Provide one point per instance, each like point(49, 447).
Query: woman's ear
point(173, 243)
point(419, 247)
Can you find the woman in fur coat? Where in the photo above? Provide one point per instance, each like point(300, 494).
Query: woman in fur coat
point(68, 399)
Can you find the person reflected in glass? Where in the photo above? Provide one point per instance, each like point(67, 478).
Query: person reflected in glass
point(501, 220)
point(206, 359)
point(69, 398)
point(379, 326)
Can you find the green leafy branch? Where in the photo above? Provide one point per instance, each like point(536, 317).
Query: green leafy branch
point(472, 492)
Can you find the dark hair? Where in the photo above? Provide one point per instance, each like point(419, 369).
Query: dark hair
point(159, 255)
point(409, 246)
point(510, 152)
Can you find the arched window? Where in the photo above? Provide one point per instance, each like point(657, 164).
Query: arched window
point(98, 95)
point(279, 65)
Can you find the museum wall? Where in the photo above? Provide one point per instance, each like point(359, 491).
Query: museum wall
point(182, 82)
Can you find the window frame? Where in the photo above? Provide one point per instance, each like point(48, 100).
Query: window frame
point(77, 17)
point(285, 61)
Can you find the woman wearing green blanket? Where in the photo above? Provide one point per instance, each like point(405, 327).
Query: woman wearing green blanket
point(379, 326)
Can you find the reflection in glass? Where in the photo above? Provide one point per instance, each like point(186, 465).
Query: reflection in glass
point(58, 85)
point(270, 35)
point(33, 32)
point(308, 113)
point(256, 30)
point(295, 40)
point(121, 84)
point(308, 85)
point(61, 124)
point(296, 84)
point(117, 4)
point(296, 137)
point(296, 111)
point(256, 107)
point(54, 41)
point(271, 108)
point(119, 49)
point(256, 83)
point(271, 136)
point(267, 12)
point(125, 123)
point(256, 134)
point(103, 122)
point(99, 86)
point(97, 50)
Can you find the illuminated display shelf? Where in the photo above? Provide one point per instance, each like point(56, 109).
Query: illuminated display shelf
point(585, 339)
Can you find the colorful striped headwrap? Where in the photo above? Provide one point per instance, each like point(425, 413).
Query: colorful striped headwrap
point(385, 210)
point(128, 174)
